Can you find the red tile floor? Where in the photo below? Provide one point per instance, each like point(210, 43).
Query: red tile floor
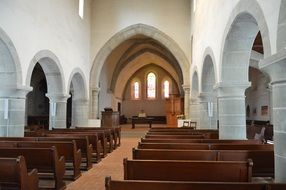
point(112, 165)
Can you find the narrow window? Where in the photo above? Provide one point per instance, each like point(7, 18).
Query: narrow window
point(194, 5)
point(136, 90)
point(151, 85)
point(166, 89)
point(81, 8)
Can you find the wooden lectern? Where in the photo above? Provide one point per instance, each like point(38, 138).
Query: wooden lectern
point(174, 107)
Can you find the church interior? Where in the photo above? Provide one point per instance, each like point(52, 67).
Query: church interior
point(143, 94)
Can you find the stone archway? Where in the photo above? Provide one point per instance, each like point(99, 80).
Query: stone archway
point(120, 37)
point(208, 97)
point(246, 20)
point(77, 87)
point(12, 93)
point(55, 86)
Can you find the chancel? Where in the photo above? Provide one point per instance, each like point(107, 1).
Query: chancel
point(113, 91)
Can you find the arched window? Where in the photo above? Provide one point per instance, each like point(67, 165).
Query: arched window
point(135, 90)
point(151, 85)
point(166, 88)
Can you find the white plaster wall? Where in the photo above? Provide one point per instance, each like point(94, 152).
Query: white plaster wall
point(169, 16)
point(209, 23)
point(35, 25)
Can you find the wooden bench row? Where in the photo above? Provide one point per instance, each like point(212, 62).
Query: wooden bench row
point(68, 150)
point(82, 143)
point(179, 185)
point(252, 141)
point(14, 174)
point(263, 159)
point(205, 146)
point(45, 160)
point(182, 170)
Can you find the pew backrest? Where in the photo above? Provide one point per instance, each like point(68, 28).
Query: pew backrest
point(14, 174)
point(176, 170)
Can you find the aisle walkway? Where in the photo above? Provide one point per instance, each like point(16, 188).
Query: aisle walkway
point(112, 165)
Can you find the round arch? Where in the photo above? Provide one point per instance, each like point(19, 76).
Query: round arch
point(209, 74)
point(11, 72)
point(78, 81)
point(245, 21)
point(52, 69)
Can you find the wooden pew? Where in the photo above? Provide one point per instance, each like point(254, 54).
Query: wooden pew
point(263, 160)
point(174, 136)
point(220, 146)
point(176, 170)
point(170, 129)
point(45, 160)
point(179, 185)
point(205, 146)
point(82, 143)
point(252, 141)
point(105, 136)
point(116, 132)
point(14, 175)
point(93, 139)
point(170, 154)
point(66, 149)
point(180, 146)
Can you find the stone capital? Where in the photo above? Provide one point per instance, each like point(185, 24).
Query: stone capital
point(275, 67)
point(18, 91)
point(58, 97)
point(186, 88)
point(230, 90)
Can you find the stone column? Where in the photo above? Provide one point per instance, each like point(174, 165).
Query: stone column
point(207, 122)
point(275, 67)
point(186, 101)
point(15, 100)
point(194, 111)
point(58, 118)
point(79, 112)
point(232, 118)
point(94, 103)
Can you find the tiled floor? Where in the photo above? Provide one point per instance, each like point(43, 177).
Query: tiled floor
point(112, 165)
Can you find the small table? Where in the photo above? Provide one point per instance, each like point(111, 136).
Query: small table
point(141, 120)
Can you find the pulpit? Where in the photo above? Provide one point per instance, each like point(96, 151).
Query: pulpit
point(109, 118)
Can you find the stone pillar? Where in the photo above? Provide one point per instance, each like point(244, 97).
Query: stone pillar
point(194, 111)
point(207, 122)
point(58, 118)
point(275, 67)
point(94, 103)
point(186, 101)
point(232, 118)
point(14, 123)
point(79, 112)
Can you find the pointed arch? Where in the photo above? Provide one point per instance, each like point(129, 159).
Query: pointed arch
point(129, 32)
